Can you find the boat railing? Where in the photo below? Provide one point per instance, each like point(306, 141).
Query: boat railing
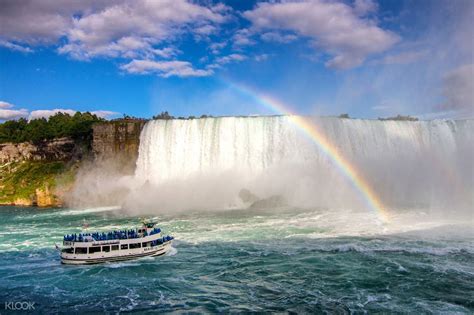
point(107, 236)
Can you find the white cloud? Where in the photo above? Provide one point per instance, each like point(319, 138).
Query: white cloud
point(230, 58)
point(459, 89)
point(405, 57)
point(243, 38)
point(363, 7)
point(261, 57)
point(334, 27)
point(5, 105)
point(10, 114)
point(46, 113)
point(41, 22)
point(220, 61)
point(148, 24)
point(105, 113)
point(165, 68)
point(217, 47)
point(278, 37)
point(134, 30)
point(16, 47)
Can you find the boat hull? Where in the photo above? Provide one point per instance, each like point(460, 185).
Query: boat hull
point(99, 260)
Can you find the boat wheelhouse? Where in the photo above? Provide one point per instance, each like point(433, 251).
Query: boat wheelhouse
point(93, 248)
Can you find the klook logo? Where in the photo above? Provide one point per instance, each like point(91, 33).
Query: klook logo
point(19, 306)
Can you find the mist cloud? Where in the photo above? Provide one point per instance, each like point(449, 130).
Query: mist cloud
point(458, 89)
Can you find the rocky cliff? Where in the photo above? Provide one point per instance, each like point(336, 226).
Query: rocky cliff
point(62, 149)
point(118, 140)
point(38, 173)
point(42, 174)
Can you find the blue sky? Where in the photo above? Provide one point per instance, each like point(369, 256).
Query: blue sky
point(366, 58)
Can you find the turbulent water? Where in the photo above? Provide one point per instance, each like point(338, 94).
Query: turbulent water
point(320, 248)
point(304, 261)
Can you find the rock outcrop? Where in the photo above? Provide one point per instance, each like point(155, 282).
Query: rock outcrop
point(44, 197)
point(118, 140)
point(29, 172)
point(42, 174)
point(62, 149)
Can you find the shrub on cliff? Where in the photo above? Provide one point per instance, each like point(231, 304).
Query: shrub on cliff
point(77, 127)
point(401, 118)
point(163, 115)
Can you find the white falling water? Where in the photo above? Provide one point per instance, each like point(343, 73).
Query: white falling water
point(408, 162)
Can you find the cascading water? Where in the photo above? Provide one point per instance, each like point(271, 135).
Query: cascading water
point(423, 163)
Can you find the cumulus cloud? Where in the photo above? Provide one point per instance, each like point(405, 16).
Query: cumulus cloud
point(148, 24)
point(217, 47)
point(230, 58)
point(334, 27)
point(10, 114)
point(243, 38)
point(41, 22)
point(220, 61)
point(7, 112)
point(134, 30)
point(278, 37)
point(405, 57)
point(16, 47)
point(261, 57)
point(458, 89)
point(364, 7)
point(46, 113)
point(5, 105)
point(104, 113)
point(165, 68)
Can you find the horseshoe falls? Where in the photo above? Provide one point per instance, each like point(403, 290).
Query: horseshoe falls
point(406, 164)
point(268, 218)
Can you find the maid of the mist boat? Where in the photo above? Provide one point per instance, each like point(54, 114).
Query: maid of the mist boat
point(93, 248)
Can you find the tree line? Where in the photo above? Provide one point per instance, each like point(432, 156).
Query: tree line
point(77, 127)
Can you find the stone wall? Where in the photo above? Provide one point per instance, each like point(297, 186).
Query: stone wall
point(118, 140)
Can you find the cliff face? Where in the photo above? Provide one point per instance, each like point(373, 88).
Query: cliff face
point(118, 140)
point(42, 174)
point(62, 149)
point(38, 174)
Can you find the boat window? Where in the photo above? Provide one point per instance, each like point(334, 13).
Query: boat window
point(124, 246)
point(81, 250)
point(114, 247)
point(68, 250)
point(93, 250)
point(135, 245)
point(106, 248)
point(146, 244)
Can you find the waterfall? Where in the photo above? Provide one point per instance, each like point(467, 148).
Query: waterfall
point(405, 162)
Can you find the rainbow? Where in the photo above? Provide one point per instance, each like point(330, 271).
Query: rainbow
point(323, 143)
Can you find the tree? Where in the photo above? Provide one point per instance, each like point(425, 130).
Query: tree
point(401, 118)
point(163, 115)
point(344, 116)
point(78, 127)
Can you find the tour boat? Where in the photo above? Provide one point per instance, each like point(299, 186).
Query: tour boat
point(99, 247)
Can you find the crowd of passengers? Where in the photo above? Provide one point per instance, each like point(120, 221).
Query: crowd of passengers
point(114, 235)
